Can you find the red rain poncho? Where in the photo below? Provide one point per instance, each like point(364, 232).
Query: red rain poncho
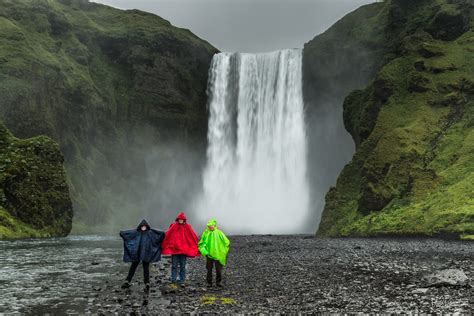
point(180, 239)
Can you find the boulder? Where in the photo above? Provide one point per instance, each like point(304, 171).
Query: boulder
point(447, 277)
point(34, 194)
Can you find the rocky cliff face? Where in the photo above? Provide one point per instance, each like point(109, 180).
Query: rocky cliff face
point(345, 57)
point(34, 196)
point(122, 92)
point(413, 171)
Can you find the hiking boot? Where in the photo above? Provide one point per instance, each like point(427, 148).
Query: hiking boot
point(209, 285)
point(219, 285)
point(147, 287)
point(126, 285)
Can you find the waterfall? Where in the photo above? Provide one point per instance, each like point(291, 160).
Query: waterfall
point(255, 178)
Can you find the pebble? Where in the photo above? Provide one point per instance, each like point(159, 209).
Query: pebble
point(419, 291)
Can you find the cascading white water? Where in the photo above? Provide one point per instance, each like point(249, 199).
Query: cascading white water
point(255, 179)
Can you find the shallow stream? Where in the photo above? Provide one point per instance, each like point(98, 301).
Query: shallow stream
point(55, 275)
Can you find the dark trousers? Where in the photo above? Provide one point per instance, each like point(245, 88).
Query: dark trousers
point(210, 263)
point(146, 271)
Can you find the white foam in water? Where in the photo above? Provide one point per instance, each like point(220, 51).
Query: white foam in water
point(255, 179)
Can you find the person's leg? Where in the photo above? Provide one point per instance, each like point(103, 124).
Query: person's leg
point(218, 273)
point(132, 270)
point(209, 264)
point(182, 268)
point(174, 267)
point(146, 272)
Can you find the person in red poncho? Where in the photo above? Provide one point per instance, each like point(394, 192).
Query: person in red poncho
point(180, 242)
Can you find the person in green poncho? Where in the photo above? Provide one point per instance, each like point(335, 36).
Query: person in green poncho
point(214, 245)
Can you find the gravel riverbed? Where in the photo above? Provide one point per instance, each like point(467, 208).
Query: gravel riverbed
point(264, 274)
point(283, 274)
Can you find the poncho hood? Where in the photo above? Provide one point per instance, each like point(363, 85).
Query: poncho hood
point(212, 222)
point(181, 216)
point(143, 223)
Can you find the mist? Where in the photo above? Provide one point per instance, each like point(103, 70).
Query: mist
point(166, 176)
point(154, 178)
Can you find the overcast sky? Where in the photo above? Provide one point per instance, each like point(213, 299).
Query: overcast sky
point(248, 25)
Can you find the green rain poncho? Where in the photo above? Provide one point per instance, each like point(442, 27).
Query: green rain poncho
point(213, 243)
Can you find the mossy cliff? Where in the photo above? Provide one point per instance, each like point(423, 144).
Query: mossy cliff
point(345, 57)
point(107, 85)
point(413, 126)
point(34, 196)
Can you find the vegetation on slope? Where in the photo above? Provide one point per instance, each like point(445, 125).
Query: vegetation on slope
point(107, 85)
point(413, 170)
point(34, 196)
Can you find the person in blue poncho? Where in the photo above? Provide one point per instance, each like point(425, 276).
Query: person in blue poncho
point(142, 244)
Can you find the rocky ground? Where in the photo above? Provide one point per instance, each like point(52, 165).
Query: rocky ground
point(268, 274)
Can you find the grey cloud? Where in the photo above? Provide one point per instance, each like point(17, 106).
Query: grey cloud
point(248, 25)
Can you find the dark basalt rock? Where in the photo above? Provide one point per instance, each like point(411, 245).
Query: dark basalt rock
point(419, 65)
point(364, 107)
point(428, 53)
point(448, 26)
point(374, 198)
point(418, 83)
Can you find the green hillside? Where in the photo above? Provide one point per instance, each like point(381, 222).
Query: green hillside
point(413, 126)
point(107, 85)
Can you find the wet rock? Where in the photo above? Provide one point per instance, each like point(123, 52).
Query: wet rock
point(447, 277)
point(419, 291)
point(418, 83)
point(168, 289)
point(448, 25)
point(419, 65)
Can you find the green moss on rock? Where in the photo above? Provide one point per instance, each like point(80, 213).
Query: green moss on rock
point(105, 84)
point(34, 196)
point(413, 170)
